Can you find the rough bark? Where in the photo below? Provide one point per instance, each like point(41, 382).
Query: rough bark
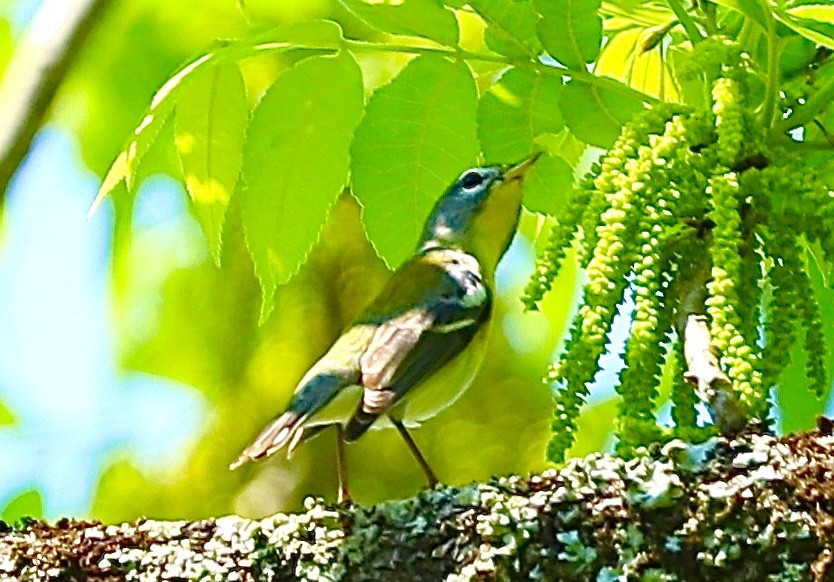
point(752, 508)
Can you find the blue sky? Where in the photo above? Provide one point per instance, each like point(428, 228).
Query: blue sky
point(58, 367)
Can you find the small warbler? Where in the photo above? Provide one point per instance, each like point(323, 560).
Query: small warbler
point(419, 343)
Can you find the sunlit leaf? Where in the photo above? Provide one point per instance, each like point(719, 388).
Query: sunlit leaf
point(595, 112)
point(690, 87)
point(5, 44)
point(314, 34)
point(418, 134)
point(6, 416)
point(752, 9)
point(25, 504)
point(127, 163)
point(814, 22)
point(626, 14)
point(511, 26)
point(548, 185)
point(295, 163)
point(210, 123)
point(562, 144)
point(115, 176)
point(570, 30)
point(426, 18)
point(623, 59)
point(520, 106)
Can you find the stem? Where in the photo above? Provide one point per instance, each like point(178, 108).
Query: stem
point(804, 146)
point(774, 49)
point(802, 115)
point(686, 21)
point(578, 74)
point(711, 24)
point(703, 364)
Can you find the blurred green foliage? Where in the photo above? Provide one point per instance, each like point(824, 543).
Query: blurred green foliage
point(290, 261)
point(205, 332)
point(26, 504)
point(207, 336)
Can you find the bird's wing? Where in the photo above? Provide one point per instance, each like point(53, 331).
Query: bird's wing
point(415, 342)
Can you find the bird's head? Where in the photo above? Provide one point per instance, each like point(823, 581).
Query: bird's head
point(479, 212)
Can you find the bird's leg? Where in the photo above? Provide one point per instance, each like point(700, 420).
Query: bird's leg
point(412, 446)
point(341, 466)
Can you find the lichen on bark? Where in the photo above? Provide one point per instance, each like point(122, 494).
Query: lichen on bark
point(755, 507)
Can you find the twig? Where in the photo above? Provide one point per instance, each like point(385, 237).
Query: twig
point(686, 21)
point(35, 72)
point(704, 368)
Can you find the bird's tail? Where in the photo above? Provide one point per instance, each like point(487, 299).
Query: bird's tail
point(288, 428)
point(359, 423)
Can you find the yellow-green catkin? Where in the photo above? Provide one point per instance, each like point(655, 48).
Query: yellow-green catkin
point(817, 213)
point(782, 315)
point(687, 199)
point(809, 310)
point(559, 240)
point(684, 399)
point(729, 119)
point(625, 171)
point(738, 359)
point(651, 319)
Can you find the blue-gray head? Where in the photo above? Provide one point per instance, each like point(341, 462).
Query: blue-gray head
point(479, 212)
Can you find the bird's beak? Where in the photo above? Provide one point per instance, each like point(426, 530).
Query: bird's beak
point(518, 171)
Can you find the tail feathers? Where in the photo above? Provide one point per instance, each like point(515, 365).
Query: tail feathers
point(286, 429)
point(360, 422)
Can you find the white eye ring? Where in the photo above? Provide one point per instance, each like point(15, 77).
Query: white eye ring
point(471, 180)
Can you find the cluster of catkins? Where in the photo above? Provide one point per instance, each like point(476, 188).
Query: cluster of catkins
point(686, 191)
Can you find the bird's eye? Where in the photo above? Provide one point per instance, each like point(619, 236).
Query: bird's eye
point(471, 180)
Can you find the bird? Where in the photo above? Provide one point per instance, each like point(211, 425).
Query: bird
point(418, 344)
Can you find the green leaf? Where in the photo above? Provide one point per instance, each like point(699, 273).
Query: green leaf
point(796, 54)
point(6, 416)
point(127, 162)
point(511, 26)
point(595, 112)
point(6, 44)
point(814, 22)
point(519, 107)
point(25, 504)
point(548, 186)
point(295, 163)
point(211, 120)
point(752, 9)
point(317, 34)
point(564, 145)
point(799, 408)
point(426, 18)
point(824, 266)
point(570, 30)
point(313, 34)
point(418, 134)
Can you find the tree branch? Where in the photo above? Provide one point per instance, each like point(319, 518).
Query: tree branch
point(704, 368)
point(35, 72)
point(741, 509)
